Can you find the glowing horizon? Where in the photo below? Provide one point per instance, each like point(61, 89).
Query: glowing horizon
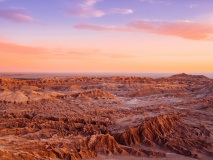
point(149, 36)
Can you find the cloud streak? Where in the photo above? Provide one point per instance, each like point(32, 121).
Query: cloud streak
point(87, 9)
point(12, 48)
point(85, 12)
point(19, 50)
point(121, 11)
point(24, 51)
point(183, 29)
point(102, 28)
point(155, 2)
point(17, 16)
point(151, 1)
point(89, 2)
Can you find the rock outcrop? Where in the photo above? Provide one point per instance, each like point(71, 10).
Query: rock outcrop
point(165, 131)
point(95, 94)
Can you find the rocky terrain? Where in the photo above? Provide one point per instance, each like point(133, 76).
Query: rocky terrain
point(106, 118)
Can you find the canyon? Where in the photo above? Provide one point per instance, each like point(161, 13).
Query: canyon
point(118, 117)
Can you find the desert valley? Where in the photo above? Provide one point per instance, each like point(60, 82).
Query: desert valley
point(106, 118)
point(106, 80)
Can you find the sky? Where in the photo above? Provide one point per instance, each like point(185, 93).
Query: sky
point(148, 36)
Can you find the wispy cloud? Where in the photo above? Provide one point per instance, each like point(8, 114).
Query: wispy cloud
point(87, 9)
point(183, 29)
point(13, 48)
point(102, 28)
point(85, 12)
point(26, 51)
point(156, 2)
point(10, 48)
point(121, 11)
point(90, 2)
point(15, 15)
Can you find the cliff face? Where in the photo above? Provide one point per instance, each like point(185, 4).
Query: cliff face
point(169, 132)
point(151, 132)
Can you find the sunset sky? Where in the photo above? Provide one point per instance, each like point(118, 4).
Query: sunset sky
point(147, 36)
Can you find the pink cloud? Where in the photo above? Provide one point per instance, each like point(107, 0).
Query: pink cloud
point(156, 2)
point(19, 50)
point(90, 2)
point(102, 28)
point(86, 12)
point(15, 16)
point(121, 11)
point(87, 9)
point(183, 29)
point(12, 48)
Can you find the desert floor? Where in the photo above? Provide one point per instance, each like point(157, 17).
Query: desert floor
point(106, 118)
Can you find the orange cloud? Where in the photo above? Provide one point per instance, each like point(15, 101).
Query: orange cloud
point(18, 50)
point(183, 29)
point(12, 48)
point(16, 57)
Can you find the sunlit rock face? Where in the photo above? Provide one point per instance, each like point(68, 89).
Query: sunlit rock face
point(106, 118)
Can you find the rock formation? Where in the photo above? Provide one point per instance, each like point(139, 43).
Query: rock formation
point(119, 117)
